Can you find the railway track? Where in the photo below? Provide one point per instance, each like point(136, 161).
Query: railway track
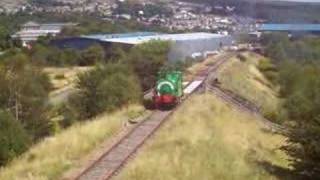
point(113, 160)
point(240, 103)
point(247, 107)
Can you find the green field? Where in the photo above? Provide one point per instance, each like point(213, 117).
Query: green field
point(207, 139)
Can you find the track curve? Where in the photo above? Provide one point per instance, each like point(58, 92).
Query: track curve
point(113, 160)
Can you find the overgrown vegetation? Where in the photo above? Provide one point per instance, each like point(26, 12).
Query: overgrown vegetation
point(23, 105)
point(280, 48)
point(14, 139)
point(147, 59)
point(243, 77)
point(297, 64)
point(105, 88)
point(207, 139)
point(24, 93)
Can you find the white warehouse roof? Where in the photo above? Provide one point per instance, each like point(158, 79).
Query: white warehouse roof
point(162, 37)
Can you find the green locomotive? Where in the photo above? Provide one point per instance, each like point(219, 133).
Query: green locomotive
point(168, 89)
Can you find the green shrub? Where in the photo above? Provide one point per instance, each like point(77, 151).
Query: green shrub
point(105, 88)
point(13, 138)
point(91, 56)
point(147, 59)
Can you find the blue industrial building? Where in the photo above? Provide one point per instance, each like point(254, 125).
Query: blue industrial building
point(182, 45)
point(312, 28)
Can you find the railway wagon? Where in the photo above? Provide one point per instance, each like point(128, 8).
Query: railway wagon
point(168, 90)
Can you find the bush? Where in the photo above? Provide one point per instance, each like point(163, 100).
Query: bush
point(92, 55)
point(105, 88)
point(13, 138)
point(147, 59)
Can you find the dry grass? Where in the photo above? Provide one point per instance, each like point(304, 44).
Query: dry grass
point(206, 139)
point(54, 156)
point(65, 76)
point(200, 66)
point(246, 80)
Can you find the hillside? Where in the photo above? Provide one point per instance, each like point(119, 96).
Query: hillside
point(207, 139)
point(244, 78)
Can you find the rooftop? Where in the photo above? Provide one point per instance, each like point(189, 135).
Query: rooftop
point(289, 27)
point(141, 37)
point(30, 23)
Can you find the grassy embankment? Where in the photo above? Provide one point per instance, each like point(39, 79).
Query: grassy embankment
point(245, 79)
point(207, 139)
point(55, 155)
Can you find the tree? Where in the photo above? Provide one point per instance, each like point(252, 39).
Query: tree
point(24, 92)
point(105, 88)
point(3, 38)
point(147, 59)
point(92, 55)
point(13, 138)
point(303, 106)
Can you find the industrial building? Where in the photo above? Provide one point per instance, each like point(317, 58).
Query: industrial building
point(291, 28)
point(182, 45)
point(31, 31)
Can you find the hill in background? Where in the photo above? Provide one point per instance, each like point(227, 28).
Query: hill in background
point(12, 3)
